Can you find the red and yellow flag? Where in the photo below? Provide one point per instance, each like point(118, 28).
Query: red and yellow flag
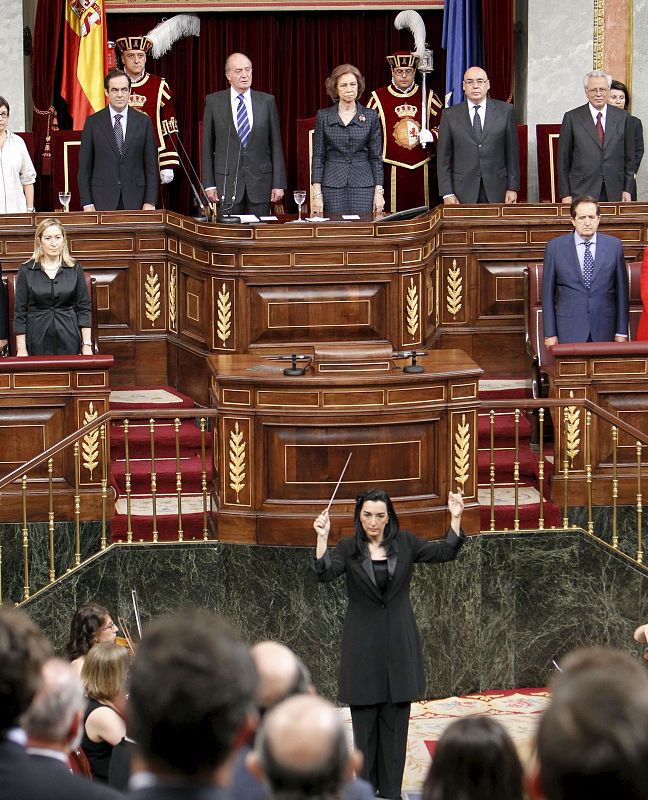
point(84, 58)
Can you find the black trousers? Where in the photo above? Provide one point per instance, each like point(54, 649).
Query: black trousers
point(380, 733)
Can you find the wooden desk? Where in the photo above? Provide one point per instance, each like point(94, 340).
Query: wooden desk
point(43, 400)
point(281, 443)
point(614, 376)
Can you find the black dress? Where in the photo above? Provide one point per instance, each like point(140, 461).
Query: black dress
point(98, 753)
point(51, 311)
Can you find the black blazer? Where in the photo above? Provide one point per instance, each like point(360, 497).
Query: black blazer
point(104, 175)
point(42, 778)
point(259, 166)
point(381, 646)
point(583, 165)
point(178, 792)
point(462, 161)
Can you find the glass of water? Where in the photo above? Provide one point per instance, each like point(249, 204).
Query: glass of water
point(299, 196)
point(64, 200)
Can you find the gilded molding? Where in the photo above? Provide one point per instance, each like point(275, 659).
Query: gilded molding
point(572, 432)
point(454, 289)
point(224, 322)
point(237, 460)
point(90, 446)
point(462, 452)
point(152, 296)
point(412, 310)
point(173, 285)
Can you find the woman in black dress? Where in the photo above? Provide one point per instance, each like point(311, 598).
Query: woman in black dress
point(347, 168)
point(52, 310)
point(381, 668)
point(620, 97)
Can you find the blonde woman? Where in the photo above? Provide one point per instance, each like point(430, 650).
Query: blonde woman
point(52, 309)
point(104, 673)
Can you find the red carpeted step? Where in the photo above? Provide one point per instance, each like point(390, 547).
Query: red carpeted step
point(165, 475)
point(504, 428)
point(528, 515)
point(139, 440)
point(504, 460)
point(167, 526)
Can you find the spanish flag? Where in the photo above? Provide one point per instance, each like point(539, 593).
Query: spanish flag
point(84, 58)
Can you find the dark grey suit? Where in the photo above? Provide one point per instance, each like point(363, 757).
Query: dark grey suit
point(583, 165)
point(463, 162)
point(234, 170)
point(348, 158)
point(104, 176)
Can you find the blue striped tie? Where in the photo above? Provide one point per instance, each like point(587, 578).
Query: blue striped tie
point(242, 121)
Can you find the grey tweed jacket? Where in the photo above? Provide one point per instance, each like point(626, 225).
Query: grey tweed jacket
point(348, 155)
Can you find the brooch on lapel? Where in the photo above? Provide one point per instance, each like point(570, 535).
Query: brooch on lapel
point(361, 118)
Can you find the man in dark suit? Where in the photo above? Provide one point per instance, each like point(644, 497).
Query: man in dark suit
point(191, 705)
point(118, 167)
point(23, 652)
point(584, 282)
point(596, 147)
point(242, 155)
point(478, 157)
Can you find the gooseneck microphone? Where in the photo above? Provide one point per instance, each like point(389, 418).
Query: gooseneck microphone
point(225, 208)
point(206, 206)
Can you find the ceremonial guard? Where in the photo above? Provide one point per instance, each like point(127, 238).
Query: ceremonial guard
point(151, 93)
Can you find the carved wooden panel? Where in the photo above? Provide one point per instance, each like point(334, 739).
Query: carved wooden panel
point(26, 431)
point(501, 290)
point(236, 462)
point(225, 317)
point(453, 290)
point(153, 300)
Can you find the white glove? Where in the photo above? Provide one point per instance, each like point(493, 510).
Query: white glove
point(166, 175)
point(426, 136)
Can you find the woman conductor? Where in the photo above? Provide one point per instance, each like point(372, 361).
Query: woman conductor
point(381, 669)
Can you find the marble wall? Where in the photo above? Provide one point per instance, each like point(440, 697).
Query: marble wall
point(12, 86)
point(495, 618)
point(637, 84)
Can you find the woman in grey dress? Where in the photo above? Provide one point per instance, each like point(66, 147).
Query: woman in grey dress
point(346, 168)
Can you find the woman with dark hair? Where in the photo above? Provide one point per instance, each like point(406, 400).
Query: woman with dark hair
point(475, 759)
point(90, 625)
point(381, 667)
point(347, 168)
point(620, 97)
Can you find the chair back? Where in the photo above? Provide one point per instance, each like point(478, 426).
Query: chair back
point(79, 763)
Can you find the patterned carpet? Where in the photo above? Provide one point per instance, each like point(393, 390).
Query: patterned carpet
point(518, 710)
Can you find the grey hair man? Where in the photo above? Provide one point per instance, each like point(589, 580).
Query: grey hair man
point(301, 750)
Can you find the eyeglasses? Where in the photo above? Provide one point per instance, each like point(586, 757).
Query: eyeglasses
point(405, 72)
point(109, 626)
point(597, 91)
point(4, 114)
point(475, 81)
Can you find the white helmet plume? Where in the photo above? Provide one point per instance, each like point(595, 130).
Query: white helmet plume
point(411, 20)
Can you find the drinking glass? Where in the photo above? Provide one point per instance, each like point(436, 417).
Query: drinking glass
point(299, 196)
point(64, 200)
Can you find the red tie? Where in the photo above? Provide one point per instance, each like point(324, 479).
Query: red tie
point(599, 128)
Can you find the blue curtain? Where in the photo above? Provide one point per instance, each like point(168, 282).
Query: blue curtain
point(463, 42)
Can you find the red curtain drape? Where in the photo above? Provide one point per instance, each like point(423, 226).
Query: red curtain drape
point(292, 54)
point(499, 51)
point(47, 29)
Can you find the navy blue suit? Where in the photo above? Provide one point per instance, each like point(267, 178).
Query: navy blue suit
point(570, 310)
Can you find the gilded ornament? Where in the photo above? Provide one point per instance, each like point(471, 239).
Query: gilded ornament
point(152, 296)
point(237, 454)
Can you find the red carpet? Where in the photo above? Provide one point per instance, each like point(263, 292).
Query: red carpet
point(139, 448)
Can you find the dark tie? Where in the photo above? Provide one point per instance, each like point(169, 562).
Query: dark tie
point(477, 126)
point(599, 128)
point(119, 134)
point(588, 265)
point(242, 121)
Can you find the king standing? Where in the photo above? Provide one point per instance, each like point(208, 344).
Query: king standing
point(407, 162)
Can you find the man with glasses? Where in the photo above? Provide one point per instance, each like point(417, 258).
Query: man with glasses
point(478, 153)
point(242, 155)
point(118, 165)
point(596, 147)
point(408, 163)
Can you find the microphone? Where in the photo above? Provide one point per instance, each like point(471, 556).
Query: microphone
point(224, 212)
point(206, 208)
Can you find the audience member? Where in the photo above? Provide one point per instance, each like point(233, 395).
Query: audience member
point(478, 158)
point(118, 162)
point(347, 168)
point(596, 147)
point(52, 309)
point(475, 759)
point(620, 97)
point(242, 155)
point(53, 723)
point(191, 705)
point(592, 741)
point(301, 750)
point(104, 674)
point(584, 282)
point(90, 625)
point(17, 176)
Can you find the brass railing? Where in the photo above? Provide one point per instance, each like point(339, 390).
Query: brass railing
point(74, 442)
point(575, 416)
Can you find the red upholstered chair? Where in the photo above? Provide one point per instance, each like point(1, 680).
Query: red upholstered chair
point(547, 159)
point(65, 165)
point(79, 763)
point(305, 130)
point(9, 282)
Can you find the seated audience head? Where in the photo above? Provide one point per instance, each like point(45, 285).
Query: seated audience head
point(281, 674)
point(90, 625)
point(345, 82)
point(619, 95)
point(105, 671)
point(23, 651)
point(54, 718)
point(50, 240)
point(192, 696)
point(597, 87)
point(475, 759)
point(592, 741)
point(301, 750)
